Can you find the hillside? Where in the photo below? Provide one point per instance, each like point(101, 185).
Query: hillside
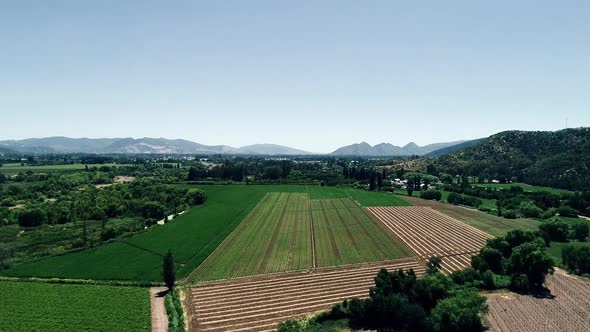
point(453, 148)
point(388, 150)
point(558, 159)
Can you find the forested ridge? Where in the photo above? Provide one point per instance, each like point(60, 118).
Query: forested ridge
point(559, 159)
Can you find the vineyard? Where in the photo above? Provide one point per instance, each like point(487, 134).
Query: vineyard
point(28, 306)
point(260, 303)
point(291, 232)
point(566, 310)
point(431, 233)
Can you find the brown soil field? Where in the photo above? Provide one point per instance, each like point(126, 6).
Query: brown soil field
point(567, 309)
point(429, 232)
point(260, 303)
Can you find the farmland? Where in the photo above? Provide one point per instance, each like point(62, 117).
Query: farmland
point(566, 310)
point(525, 187)
point(29, 306)
point(260, 303)
point(430, 233)
point(496, 226)
point(191, 237)
point(288, 232)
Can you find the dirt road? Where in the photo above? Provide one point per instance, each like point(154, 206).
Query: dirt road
point(159, 317)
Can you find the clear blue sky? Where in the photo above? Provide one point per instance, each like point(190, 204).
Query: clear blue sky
point(314, 75)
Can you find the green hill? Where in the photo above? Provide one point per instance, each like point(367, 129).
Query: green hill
point(559, 159)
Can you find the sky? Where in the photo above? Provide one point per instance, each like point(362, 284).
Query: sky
point(314, 75)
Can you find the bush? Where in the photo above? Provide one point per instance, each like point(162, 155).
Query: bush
point(431, 194)
point(566, 211)
point(174, 311)
point(509, 214)
point(529, 210)
point(519, 283)
point(32, 218)
point(461, 312)
point(580, 231)
point(550, 213)
point(576, 259)
point(554, 231)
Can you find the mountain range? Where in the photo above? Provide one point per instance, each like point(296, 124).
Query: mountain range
point(388, 150)
point(135, 146)
point(148, 145)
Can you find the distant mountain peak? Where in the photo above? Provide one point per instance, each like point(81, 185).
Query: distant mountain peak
point(389, 150)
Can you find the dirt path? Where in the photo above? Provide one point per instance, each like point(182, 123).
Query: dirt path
point(159, 317)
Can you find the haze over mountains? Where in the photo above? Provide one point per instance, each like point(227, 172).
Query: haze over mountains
point(139, 145)
point(387, 149)
point(148, 145)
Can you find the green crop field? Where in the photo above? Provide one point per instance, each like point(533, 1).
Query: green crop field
point(276, 236)
point(191, 237)
point(525, 187)
point(30, 306)
point(493, 225)
point(18, 168)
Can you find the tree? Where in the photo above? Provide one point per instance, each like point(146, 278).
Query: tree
point(433, 265)
point(372, 182)
point(531, 259)
point(2, 178)
point(461, 312)
point(580, 231)
point(168, 271)
point(32, 218)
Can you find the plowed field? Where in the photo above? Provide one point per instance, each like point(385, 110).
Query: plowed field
point(567, 310)
point(260, 303)
point(429, 232)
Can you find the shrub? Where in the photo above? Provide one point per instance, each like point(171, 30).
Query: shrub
point(174, 311)
point(566, 211)
point(519, 283)
point(554, 231)
point(576, 259)
point(529, 210)
point(550, 213)
point(580, 231)
point(509, 214)
point(431, 194)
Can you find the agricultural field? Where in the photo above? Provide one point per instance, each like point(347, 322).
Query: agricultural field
point(565, 310)
point(191, 237)
point(290, 231)
point(493, 225)
point(525, 187)
point(31, 306)
point(260, 303)
point(16, 168)
point(431, 233)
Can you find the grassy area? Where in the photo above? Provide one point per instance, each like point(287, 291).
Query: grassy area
point(276, 236)
point(556, 247)
point(496, 226)
point(525, 187)
point(29, 306)
point(15, 168)
point(191, 237)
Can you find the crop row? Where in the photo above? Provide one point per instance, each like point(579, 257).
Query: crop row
point(566, 310)
point(30, 306)
point(260, 303)
point(429, 232)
